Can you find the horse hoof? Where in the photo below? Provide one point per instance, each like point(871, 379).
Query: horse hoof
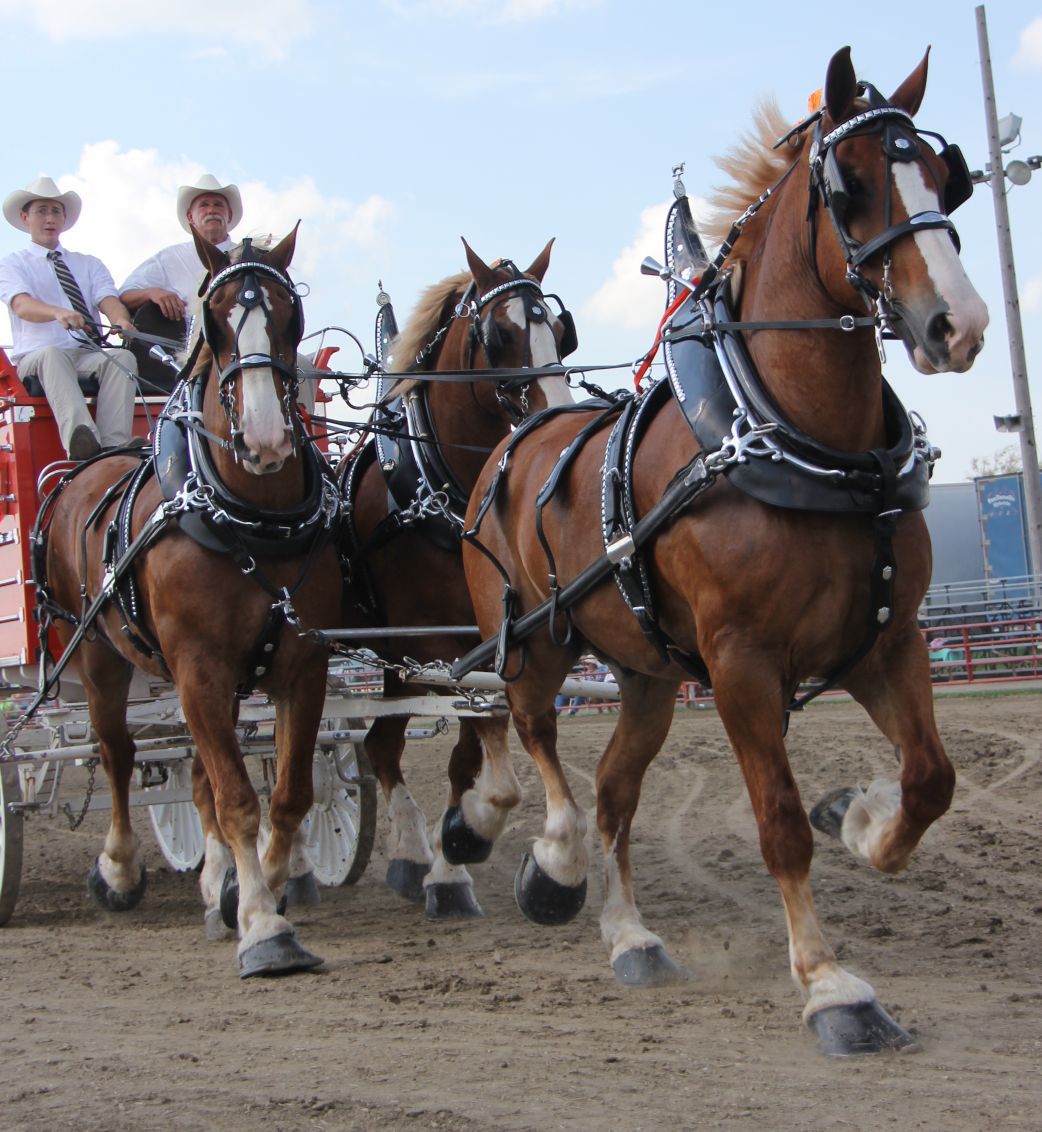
point(214, 923)
point(452, 902)
point(302, 891)
point(858, 1029)
point(827, 816)
point(647, 967)
point(105, 896)
point(230, 900)
point(406, 878)
point(459, 843)
point(280, 955)
point(542, 899)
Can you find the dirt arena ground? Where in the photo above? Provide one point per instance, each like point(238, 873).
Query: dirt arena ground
point(136, 1022)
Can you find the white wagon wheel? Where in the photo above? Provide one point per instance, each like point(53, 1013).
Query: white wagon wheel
point(340, 828)
point(176, 825)
point(11, 823)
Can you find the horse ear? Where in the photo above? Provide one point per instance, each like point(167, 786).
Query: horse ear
point(210, 256)
point(840, 86)
point(541, 262)
point(484, 276)
point(281, 255)
point(909, 95)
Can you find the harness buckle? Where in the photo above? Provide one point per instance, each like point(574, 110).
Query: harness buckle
point(621, 549)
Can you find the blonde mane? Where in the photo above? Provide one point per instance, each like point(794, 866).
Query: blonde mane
point(753, 165)
point(426, 320)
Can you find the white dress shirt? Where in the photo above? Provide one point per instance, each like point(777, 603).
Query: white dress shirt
point(30, 272)
point(176, 268)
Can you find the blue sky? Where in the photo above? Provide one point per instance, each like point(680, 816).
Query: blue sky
point(393, 127)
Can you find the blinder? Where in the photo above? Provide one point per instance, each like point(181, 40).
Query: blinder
point(491, 338)
point(957, 189)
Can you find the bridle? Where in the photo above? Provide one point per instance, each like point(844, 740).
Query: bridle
point(901, 142)
point(250, 296)
point(484, 332)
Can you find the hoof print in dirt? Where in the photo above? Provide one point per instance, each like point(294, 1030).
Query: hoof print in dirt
point(280, 955)
point(105, 896)
point(542, 899)
point(302, 891)
point(648, 967)
point(858, 1029)
point(459, 843)
point(452, 902)
point(406, 878)
point(828, 814)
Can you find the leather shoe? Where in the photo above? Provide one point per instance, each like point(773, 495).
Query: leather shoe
point(132, 443)
point(83, 443)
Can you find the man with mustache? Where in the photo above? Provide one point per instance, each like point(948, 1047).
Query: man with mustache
point(170, 278)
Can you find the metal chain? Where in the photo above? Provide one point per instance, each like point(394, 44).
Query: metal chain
point(76, 822)
point(413, 670)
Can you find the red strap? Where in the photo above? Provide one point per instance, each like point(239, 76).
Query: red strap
point(649, 357)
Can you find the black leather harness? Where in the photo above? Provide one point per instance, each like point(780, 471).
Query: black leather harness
point(740, 433)
point(197, 502)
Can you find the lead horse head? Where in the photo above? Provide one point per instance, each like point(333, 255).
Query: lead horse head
point(252, 323)
point(889, 195)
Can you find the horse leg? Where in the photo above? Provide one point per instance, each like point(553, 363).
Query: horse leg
point(550, 886)
point(483, 791)
point(408, 847)
point(298, 716)
point(638, 956)
point(267, 942)
point(217, 858)
point(885, 822)
point(841, 1009)
point(117, 879)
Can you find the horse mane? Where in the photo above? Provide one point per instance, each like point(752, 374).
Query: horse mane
point(426, 319)
point(753, 166)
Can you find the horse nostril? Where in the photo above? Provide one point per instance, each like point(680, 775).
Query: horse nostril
point(939, 328)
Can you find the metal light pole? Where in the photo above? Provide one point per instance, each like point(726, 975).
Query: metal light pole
point(1018, 360)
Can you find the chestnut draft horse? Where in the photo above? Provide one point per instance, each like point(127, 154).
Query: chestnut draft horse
point(197, 566)
point(405, 493)
point(757, 520)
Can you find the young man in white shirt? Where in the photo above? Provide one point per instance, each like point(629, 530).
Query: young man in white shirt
point(55, 297)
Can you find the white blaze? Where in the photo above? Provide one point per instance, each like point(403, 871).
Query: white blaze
point(543, 347)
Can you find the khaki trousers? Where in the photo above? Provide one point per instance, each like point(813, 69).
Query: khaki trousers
point(58, 370)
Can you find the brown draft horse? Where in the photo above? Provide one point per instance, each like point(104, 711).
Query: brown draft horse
point(238, 539)
point(405, 495)
point(762, 595)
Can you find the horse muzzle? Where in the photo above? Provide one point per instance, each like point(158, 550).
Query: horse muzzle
point(262, 458)
point(940, 338)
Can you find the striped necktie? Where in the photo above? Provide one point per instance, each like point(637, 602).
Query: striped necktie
point(73, 292)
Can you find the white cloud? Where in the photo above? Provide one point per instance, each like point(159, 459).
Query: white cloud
point(210, 54)
point(629, 299)
point(497, 12)
point(1031, 295)
point(267, 25)
point(1029, 48)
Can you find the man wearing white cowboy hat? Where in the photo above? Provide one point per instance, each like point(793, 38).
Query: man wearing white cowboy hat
point(54, 296)
point(171, 277)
